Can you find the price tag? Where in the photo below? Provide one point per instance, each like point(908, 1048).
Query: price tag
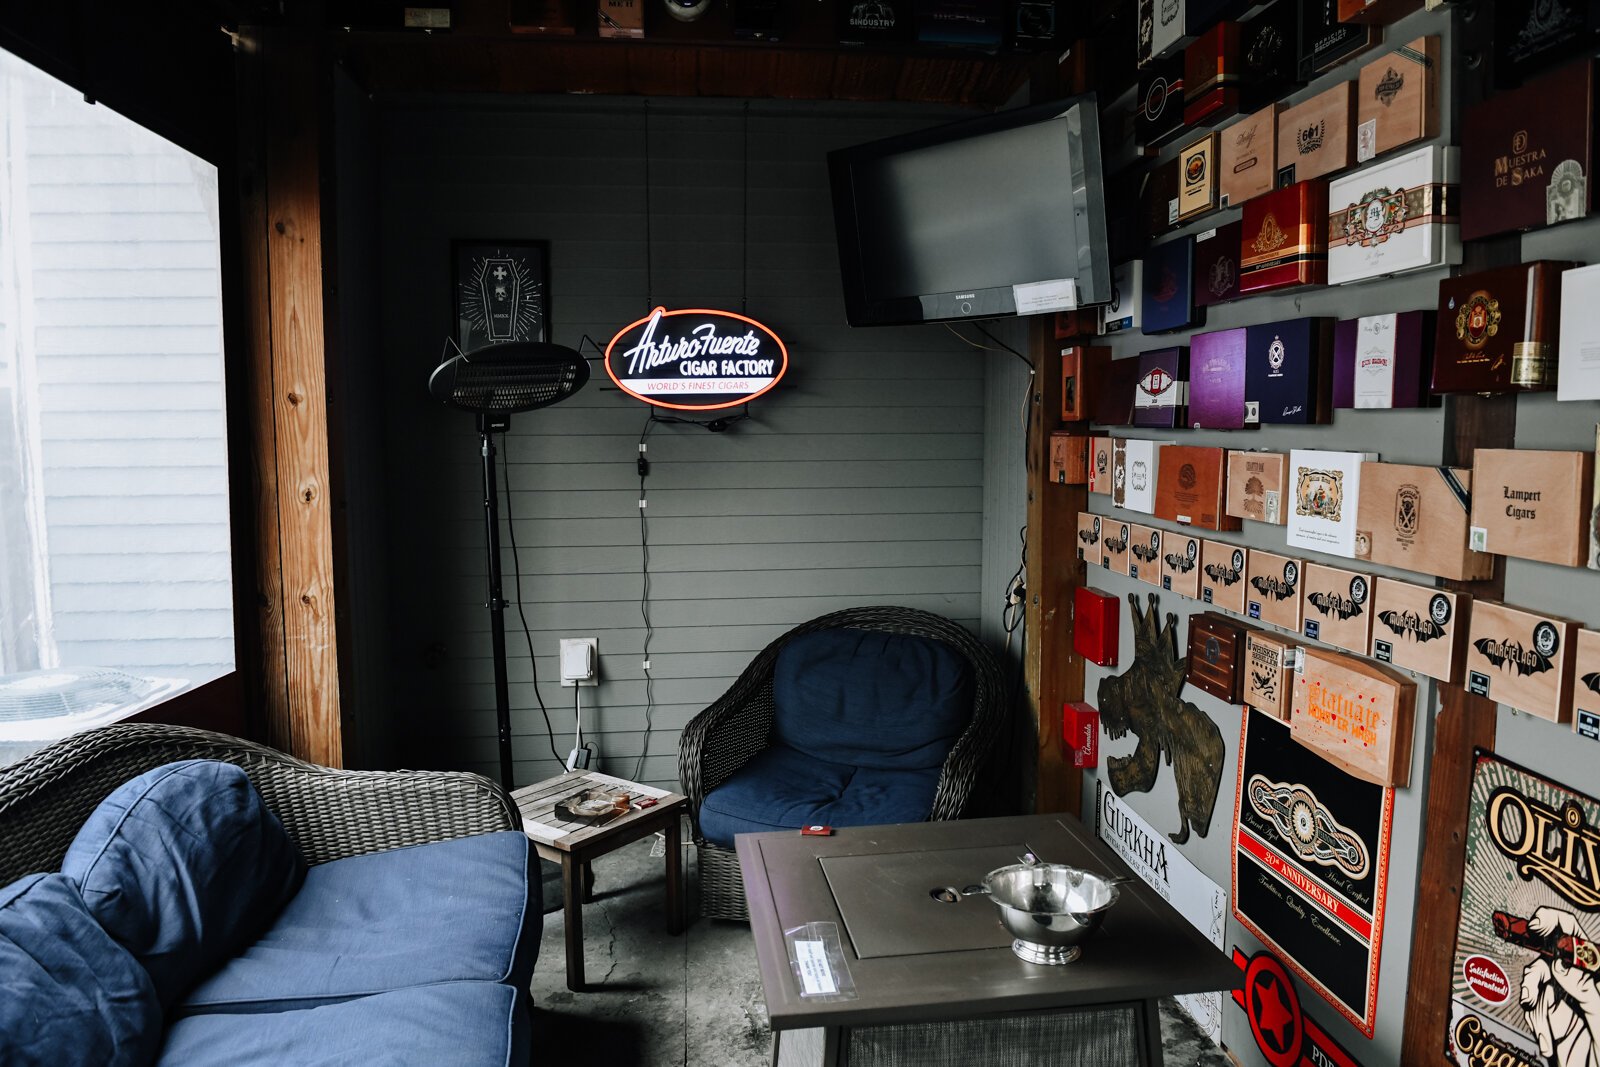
point(1205, 235)
point(816, 977)
point(1172, 212)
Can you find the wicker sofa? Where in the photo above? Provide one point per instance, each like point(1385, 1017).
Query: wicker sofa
point(729, 734)
point(413, 852)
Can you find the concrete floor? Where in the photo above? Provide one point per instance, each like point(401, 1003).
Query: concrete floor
point(686, 1001)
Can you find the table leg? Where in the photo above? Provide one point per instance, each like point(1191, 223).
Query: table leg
point(588, 884)
point(572, 899)
point(674, 878)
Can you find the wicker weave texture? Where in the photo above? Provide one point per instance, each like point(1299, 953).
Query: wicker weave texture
point(1088, 1037)
point(729, 733)
point(330, 814)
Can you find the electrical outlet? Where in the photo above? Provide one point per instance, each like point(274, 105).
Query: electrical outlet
point(580, 661)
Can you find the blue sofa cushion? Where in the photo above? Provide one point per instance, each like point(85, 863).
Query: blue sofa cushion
point(467, 909)
point(481, 1024)
point(68, 993)
point(784, 789)
point(183, 866)
point(870, 699)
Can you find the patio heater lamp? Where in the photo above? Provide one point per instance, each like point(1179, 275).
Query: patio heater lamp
point(494, 383)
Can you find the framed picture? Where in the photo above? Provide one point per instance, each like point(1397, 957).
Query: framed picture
point(501, 292)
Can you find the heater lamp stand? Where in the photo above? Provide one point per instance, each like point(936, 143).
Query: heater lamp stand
point(488, 426)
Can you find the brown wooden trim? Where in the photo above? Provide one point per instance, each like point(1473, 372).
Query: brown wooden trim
point(216, 705)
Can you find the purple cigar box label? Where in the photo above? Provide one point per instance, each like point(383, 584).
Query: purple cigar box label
point(1217, 380)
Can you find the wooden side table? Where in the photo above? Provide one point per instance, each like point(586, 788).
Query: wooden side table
point(574, 845)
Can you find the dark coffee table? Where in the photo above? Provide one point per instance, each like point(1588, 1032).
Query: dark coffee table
point(937, 982)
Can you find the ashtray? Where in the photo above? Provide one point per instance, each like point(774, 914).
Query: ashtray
point(593, 806)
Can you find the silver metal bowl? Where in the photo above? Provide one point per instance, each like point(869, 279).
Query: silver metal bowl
point(1049, 908)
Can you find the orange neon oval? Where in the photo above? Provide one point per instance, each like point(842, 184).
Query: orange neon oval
point(783, 365)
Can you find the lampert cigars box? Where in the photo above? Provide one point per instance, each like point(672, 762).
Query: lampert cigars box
point(1088, 544)
point(1521, 658)
point(1381, 361)
point(1222, 567)
point(1418, 518)
point(1191, 487)
point(1144, 553)
point(1180, 564)
point(1420, 629)
point(1247, 164)
point(1269, 673)
point(1398, 99)
point(1289, 370)
point(1532, 504)
point(1496, 329)
point(1285, 239)
point(1527, 154)
point(1272, 589)
point(1337, 605)
point(1115, 537)
point(1256, 483)
point(1394, 216)
point(1317, 135)
point(1586, 685)
point(1355, 714)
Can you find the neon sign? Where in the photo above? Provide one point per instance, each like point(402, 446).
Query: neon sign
point(696, 359)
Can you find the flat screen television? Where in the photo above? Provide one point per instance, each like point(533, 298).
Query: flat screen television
point(999, 215)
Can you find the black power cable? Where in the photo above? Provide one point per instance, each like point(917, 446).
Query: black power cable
point(516, 571)
point(644, 595)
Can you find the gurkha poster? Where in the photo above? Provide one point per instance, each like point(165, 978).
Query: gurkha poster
point(1523, 981)
point(1311, 865)
point(501, 292)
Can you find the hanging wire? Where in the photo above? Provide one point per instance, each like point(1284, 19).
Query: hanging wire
point(744, 226)
point(649, 238)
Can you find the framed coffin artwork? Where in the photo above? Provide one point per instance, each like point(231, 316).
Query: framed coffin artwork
point(501, 292)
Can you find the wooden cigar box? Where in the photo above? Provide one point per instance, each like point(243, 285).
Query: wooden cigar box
point(1269, 673)
point(1272, 589)
point(1269, 55)
point(1180, 564)
point(1357, 715)
point(1134, 464)
point(1285, 239)
point(1337, 607)
point(1496, 329)
point(1158, 200)
point(1169, 29)
point(1211, 75)
point(1114, 543)
point(1323, 489)
point(1113, 395)
point(1216, 265)
point(1197, 178)
point(1247, 157)
point(1222, 568)
point(1289, 370)
point(1096, 625)
point(1417, 518)
point(1317, 136)
point(1532, 504)
point(1521, 658)
point(1397, 102)
point(1088, 543)
point(620, 18)
point(1216, 656)
point(1192, 487)
point(1381, 361)
point(1579, 346)
point(1419, 629)
point(1377, 12)
point(1394, 216)
point(1256, 482)
point(1535, 36)
point(1144, 553)
point(1069, 458)
point(1527, 154)
point(1100, 450)
point(1080, 322)
point(1325, 42)
point(1586, 685)
point(1217, 380)
point(1167, 302)
point(1160, 102)
point(1081, 368)
point(1162, 398)
point(1122, 313)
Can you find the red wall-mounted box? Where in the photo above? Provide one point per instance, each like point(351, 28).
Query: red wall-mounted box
point(1080, 733)
point(1095, 626)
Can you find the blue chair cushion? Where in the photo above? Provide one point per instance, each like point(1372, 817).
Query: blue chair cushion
point(865, 698)
point(183, 866)
point(467, 909)
point(784, 789)
point(481, 1024)
point(69, 994)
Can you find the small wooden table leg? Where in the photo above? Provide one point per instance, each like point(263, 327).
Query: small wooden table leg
point(572, 900)
point(674, 878)
point(588, 884)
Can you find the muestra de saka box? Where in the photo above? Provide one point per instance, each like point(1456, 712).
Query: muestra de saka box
point(1521, 658)
point(1532, 504)
point(1419, 628)
point(1418, 518)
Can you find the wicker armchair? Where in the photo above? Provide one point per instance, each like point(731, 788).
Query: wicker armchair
point(729, 733)
point(330, 814)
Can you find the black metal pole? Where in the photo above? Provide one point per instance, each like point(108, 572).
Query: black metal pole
point(487, 425)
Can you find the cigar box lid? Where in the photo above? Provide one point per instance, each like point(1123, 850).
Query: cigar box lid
point(1212, 60)
point(1521, 658)
point(1191, 486)
point(1180, 564)
point(1217, 380)
point(1337, 605)
point(1380, 361)
point(1323, 489)
point(1162, 394)
point(1088, 541)
point(1532, 36)
point(1532, 504)
point(1123, 311)
point(1222, 567)
point(1586, 684)
point(1579, 346)
point(1160, 101)
point(1216, 264)
point(1113, 396)
point(1397, 102)
point(1289, 370)
point(1268, 53)
point(1316, 136)
point(1256, 485)
point(1100, 450)
point(1285, 224)
point(1496, 329)
point(1116, 537)
point(1269, 672)
point(1527, 154)
point(1273, 593)
point(1355, 713)
point(1168, 298)
point(1144, 553)
point(1169, 30)
point(1197, 177)
point(1216, 655)
point(1419, 628)
point(1248, 157)
point(1398, 214)
point(1326, 42)
point(1418, 518)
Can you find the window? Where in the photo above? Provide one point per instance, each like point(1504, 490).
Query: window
point(115, 570)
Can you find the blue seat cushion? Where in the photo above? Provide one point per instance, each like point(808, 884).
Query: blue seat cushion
point(481, 1024)
point(183, 866)
point(866, 698)
point(467, 909)
point(69, 994)
point(784, 789)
